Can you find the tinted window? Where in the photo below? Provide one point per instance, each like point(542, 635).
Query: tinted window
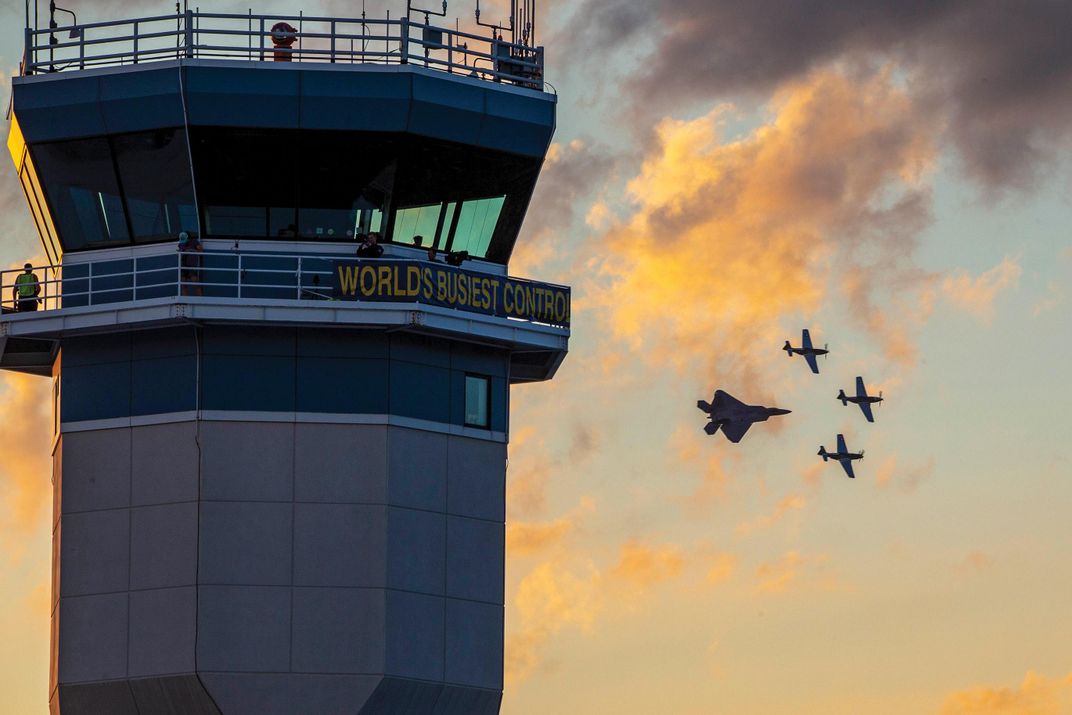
point(154, 169)
point(82, 189)
point(476, 226)
point(476, 401)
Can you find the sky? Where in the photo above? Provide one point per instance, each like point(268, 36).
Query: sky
point(895, 176)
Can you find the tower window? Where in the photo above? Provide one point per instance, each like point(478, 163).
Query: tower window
point(477, 401)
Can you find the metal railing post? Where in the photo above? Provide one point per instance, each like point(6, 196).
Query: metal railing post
point(261, 43)
point(135, 41)
point(239, 276)
point(89, 290)
point(404, 39)
point(332, 42)
point(299, 278)
point(134, 289)
point(29, 54)
point(189, 33)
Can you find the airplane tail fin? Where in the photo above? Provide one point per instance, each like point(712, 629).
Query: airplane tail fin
point(711, 427)
point(822, 453)
point(705, 406)
point(841, 396)
point(787, 349)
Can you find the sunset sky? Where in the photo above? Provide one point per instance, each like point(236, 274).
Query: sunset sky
point(896, 176)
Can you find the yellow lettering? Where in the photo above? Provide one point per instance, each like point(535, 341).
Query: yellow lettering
point(429, 286)
point(494, 294)
point(348, 279)
point(368, 287)
point(441, 285)
point(413, 281)
point(384, 286)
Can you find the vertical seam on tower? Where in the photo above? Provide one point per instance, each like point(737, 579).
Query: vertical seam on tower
point(293, 498)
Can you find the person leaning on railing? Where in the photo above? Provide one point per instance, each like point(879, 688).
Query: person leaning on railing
point(189, 264)
point(26, 290)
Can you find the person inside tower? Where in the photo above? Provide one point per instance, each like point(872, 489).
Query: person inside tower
point(189, 264)
point(418, 241)
point(26, 290)
point(456, 258)
point(370, 247)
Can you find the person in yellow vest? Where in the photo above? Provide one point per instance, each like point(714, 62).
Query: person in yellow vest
point(26, 290)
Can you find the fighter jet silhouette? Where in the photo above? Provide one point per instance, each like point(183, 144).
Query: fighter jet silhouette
point(806, 350)
point(842, 455)
point(862, 399)
point(733, 416)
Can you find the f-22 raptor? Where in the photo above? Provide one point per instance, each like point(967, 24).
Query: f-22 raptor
point(862, 399)
point(733, 416)
point(806, 350)
point(842, 455)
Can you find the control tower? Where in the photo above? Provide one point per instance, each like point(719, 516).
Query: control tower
point(279, 461)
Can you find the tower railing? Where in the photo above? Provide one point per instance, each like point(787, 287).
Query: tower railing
point(252, 37)
point(248, 276)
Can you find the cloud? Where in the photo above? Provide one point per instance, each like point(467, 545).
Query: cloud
point(793, 569)
point(997, 75)
point(532, 538)
point(26, 468)
point(787, 505)
point(1036, 695)
point(976, 295)
point(721, 568)
point(737, 235)
point(907, 477)
point(642, 565)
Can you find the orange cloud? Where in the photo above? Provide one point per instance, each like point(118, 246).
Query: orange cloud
point(788, 570)
point(976, 295)
point(1036, 695)
point(642, 565)
point(791, 503)
point(531, 538)
point(721, 568)
point(26, 467)
point(727, 239)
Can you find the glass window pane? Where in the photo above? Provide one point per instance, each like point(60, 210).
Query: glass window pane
point(154, 168)
point(83, 193)
point(476, 225)
point(476, 401)
point(415, 221)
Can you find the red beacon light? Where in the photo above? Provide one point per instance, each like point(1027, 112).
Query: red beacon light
point(283, 36)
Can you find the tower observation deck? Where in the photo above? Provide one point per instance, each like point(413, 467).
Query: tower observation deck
point(279, 459)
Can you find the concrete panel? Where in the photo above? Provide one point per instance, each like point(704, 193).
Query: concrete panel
point(475, 559)
point(97, 698)
point(341, 545)
point(163, 629)
point(416, 550)
point(417, 474)
point(243, 628)
point(476, 478)
point(95, 552)
point(414, 635)
point(474, 644)
point(481, 360)
point(283, 694)
point(340, 463)
point(178, 695)
point(163, 546)
point(164, 463)
point(341, 385)
point(93, 638)
point(245, 543)
point(338, 630)
point(263, 383)
point(247, 461)
point(97, 470)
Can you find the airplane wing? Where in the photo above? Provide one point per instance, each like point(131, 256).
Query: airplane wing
point(865, 407)
point(710, 427)
point(847, 466)
point(810, 357)
point(805, 339)
point(861, 391)
point(735, 430)
point(841, 448)
point(725, 399)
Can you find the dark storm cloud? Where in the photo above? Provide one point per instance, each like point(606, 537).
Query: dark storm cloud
point(999, 72)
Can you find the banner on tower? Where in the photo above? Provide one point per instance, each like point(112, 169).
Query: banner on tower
point(439, 284)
